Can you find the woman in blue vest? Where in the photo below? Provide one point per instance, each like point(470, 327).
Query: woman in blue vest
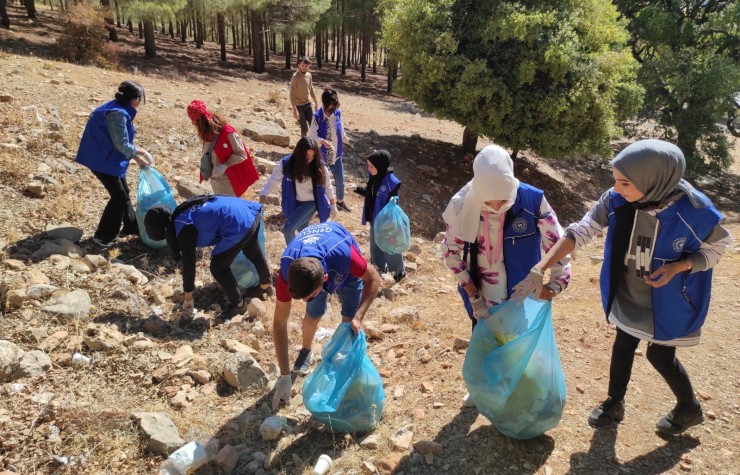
point(106, 148)
point(662, 241)
point(328, 130)
point(230, 224)
point(381, 186)
point(306, 187)
point(497, 229)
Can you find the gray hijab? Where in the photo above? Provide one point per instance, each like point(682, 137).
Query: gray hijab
point(656, 169)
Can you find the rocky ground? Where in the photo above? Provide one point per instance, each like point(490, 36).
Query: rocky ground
point(148, 381)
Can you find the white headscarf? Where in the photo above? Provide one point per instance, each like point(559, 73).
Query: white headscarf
point(493, 179)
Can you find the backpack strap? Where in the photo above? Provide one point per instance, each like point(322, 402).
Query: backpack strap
point(472, 249)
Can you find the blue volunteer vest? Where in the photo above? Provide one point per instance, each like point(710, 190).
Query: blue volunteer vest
point(222, 221)
point(289, 200)
point(679, 307)
point(96, 150)
point(387, 185)
point(521, 238)
point(328, 242)
point(320, 119)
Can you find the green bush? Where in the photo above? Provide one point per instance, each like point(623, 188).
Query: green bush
point(84, 38)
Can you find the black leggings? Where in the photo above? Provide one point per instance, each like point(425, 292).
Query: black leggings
point(251, 248)
point(663, 358)
point(118, 210)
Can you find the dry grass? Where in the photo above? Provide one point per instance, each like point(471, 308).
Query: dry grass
point(276, 97)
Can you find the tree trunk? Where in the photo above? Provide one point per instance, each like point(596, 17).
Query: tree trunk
point(30, 8)
point(4, 18)
point(109, 21)
point(118, 15)
point(514, 153)
point(172, 30)
point(130, 26)
point(221, 20)
point(287, 43)
point(470, 141)
point(141, 30)
point(266, 41)
point(258, 54)
point(234, 38)
point(389, 86)
point(183, 31)
point(318, 49)
point(150, 49)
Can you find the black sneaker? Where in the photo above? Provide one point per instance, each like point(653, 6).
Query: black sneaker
point(104, 244)
point(399, 277)
point(232, 311)
point(608, 411)
point(680, 418)
point(303, 362)
point(343, 206)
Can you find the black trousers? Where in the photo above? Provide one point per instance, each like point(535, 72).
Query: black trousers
point(663, 358)
point(305, 116)
point(250, 247)
point(118, 210)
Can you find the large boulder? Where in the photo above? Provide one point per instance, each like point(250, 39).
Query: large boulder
point(64, 231)
point(242, 372)
point(160, 431)
point(187, 188)
point(267, 132)
point(10, 356)
point(33, 363)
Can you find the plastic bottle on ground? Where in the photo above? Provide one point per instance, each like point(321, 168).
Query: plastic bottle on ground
point(190, 457)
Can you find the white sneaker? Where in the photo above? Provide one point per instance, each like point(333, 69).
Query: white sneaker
point(468, 401)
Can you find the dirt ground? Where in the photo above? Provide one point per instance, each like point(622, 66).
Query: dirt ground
point(92, 405)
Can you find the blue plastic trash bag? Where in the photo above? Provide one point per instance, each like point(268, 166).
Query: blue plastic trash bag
point(392, 229)
point(243, 269)
point(512, 369)
point(153, 191)
point(345, 391)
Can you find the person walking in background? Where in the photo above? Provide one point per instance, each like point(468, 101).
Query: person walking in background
point(233, 171)
point(106, 148)
point(301, 86)
point(306, 187)
point(327, 128)
point(230, 224)
point(497, 228)
point(381, 186)
point(323, 259)
point(663, 239)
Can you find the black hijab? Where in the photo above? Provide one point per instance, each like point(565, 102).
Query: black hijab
point(381, 160)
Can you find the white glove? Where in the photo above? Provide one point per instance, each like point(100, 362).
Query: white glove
point(283, 388)
point(219, 170)
point(532, 283)
point(480, 307)
point(333, 212)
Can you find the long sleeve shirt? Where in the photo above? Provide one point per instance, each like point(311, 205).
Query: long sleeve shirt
point(115, 122)
point(221, 184)
point(301, 86)
point(303, 189)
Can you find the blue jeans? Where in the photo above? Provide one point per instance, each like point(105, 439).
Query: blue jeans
point(337, 171)
point(298, 219)
point(350, 292)
point(381, 260)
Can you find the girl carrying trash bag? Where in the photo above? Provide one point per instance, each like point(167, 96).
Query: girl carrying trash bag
point(662, 241)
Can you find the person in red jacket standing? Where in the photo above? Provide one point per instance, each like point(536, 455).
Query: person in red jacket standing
point(233, 169)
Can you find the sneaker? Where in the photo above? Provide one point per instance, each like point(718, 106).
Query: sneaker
point(232, 311)
point(133, 231)
point(399, 277)
point(303, 362)
point(608, 411)
point(104, 244)
point(468, 401)
point(343, 206)
point(680, 418)
point(265, 294)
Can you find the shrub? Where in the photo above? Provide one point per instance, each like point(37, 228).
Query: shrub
point(84, 38)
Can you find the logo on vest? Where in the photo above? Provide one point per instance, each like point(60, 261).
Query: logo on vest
point(519, 225)
point(678, 244)
point(382, 188)
point(311, 239)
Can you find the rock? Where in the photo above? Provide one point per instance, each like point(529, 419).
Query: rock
point(426, 387)
point(256, 308)
point(439, 237)
point(372, 332)
point(703, 395)
point(58, 246)
point(10, 356)
point(226, 458)
point(41, 291)
point(60, 262)
point(56, 339)
point(75, 304)
point(64, 231)
point(242, 371)
point(370, 442)
point(428, 447)
point(389, 464)
point(36, 189)
point(271, 427)
point(368, 468)
point(187, 188)
point(14, 298)
point(411, 266)
point(161, 432)
point(33, 363)
point(183, 355)
point(6, 98)
point(103, 337)
point(265, 166)
point(95, 261)
point(35, 276)
point(235, 346)
point(80, 267)
point(405, 314)
point(267, 132)
point(401, 439)
point(273, 200)
point(14, 264)
point(460, 344)
point(132, 274)
point(388, 328)
point(258, 329)
point(201, 376)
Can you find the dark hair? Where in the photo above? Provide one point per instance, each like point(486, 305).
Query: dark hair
point(209, 129)
point(299, 169)
point(130, 90)
point(305, 275)
point(304, 60)
point(328, 97)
